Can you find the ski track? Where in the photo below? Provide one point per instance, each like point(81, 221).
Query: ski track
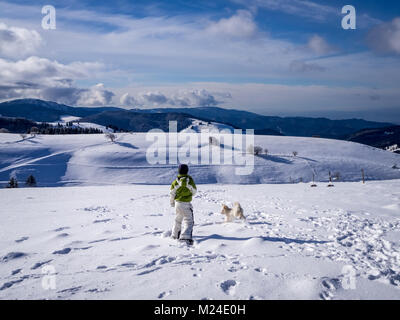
point(326, 234)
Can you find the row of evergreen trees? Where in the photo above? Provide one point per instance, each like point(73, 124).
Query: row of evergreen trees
point(48, 129)
point(30, 182)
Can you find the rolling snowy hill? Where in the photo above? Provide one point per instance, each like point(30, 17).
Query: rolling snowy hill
point(92, 160)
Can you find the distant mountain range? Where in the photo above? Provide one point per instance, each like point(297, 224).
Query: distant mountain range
point(142, 120)
point(45, 111)
point(288, 126)
point(139, 122)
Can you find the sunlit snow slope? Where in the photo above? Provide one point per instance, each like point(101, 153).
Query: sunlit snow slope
point(93, 160)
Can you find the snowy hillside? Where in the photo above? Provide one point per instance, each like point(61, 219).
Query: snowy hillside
point(75, 122)
point(92, 160)
point(201, 126)
point(112, 242)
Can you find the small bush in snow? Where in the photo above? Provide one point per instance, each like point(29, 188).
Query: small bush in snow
point(34, 130)
point(13, 183)
point(295, 153)
point(265, 151)
point(31, 181)
point(257, 150)
point(110, 136)
point(4, 130)
point(23, 136)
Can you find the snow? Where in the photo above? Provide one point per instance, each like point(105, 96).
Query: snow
point(112, 242)
point(76, 123)
point(204, 126)
point(98, 225)
point(89, 160)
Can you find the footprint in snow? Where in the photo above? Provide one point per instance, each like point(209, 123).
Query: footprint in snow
point(63, 251)
point(101, 267)
point(102, 221)
point(12, 256)
point(163, 294)
point(9, 284)
point(228, 286)
point(22, 239)
point(70, 291)
point(39, 264)
point(16, 271)
point(61, 229)
point(62, 235)
point(329, 286)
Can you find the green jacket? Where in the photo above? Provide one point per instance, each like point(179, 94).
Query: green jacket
point(183, 188)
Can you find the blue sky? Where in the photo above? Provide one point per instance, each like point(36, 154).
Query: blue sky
point(287, 57)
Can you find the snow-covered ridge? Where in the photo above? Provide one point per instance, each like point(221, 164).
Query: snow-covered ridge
point(93, 160)
point(76, 123)
point(204, 126)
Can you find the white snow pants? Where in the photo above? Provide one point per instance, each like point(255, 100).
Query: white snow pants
point(184, 220)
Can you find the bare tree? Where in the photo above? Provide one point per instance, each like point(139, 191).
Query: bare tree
point(266, 151)
point(110, 136)
point(34, 131)
point(257, 150)
point(213, 141)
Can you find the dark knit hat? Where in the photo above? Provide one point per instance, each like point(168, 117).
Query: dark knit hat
point(183, 169)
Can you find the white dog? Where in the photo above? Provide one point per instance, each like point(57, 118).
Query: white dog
point(232, 213)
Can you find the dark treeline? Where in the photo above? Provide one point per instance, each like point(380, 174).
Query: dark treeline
point(20, 125)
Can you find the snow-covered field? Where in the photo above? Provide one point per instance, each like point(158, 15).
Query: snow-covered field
point(101, 228)
point(68, 160)
point(111, 242)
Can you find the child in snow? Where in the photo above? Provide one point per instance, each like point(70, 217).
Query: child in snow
point(182, 190)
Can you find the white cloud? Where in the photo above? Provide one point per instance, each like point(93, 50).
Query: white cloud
point(385, 38)
point(319, 46)
point(241, 25)
point(18, 42)
point(44, 71)
point(155, 98)
point(51, 80)
point(95, 96)
point(177, 98)
point(128, 100)
point(199, 98)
